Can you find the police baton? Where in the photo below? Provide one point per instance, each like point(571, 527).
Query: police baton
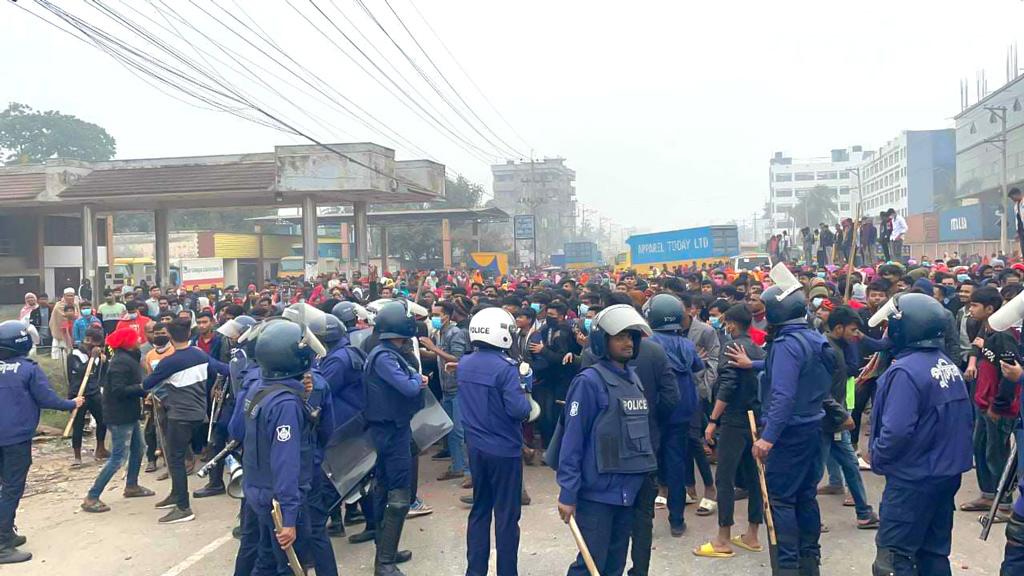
point(93, 361)
point(582, 545)
point(1005, 481)
point(293, 560)
point(769, 522)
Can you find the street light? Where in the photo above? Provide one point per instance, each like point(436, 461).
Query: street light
point(999, 113)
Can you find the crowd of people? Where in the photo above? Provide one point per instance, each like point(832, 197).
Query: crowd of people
point(638, 389)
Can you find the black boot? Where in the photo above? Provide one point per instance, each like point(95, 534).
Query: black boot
point(810, 567)
point(336, 529)
point(9, 554)
point(364, 536)
point(390, 532)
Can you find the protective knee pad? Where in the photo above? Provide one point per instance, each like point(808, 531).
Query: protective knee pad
point(887, 562)
point(399, 500)
point(1015, 530)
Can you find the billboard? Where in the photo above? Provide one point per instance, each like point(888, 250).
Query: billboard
point(683, 245)
point(976, 222)
point(523, 226)
point(581, 253)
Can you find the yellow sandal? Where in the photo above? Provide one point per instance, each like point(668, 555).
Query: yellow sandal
point(738, 541)
point(707, 550)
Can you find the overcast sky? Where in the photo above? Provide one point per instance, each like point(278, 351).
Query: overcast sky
point(668, 111)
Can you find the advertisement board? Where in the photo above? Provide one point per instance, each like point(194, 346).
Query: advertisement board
point(977, 222)
point(684, 245)
point(523, 226)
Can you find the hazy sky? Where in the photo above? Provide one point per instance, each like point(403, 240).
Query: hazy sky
point(668, 111)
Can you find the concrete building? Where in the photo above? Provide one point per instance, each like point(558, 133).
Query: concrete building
point(790, 179)
point(914, 173)
point(56, 204)
point(545, 189)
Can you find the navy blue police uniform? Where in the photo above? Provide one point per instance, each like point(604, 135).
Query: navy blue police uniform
point(494, 405)
point(322, 496)
point(796, 381)
point(1013, 559)
point(604, 457)
point(244, 374)
point(920, 440)
point(393, 396)
point(24, 391)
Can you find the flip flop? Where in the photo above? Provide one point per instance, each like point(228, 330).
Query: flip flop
point(978, 505)
point(707, 507)
point(707, 550)
point(738, 541)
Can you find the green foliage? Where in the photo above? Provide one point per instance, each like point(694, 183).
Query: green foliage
point(31, 136)
point(221, 220)
point(817, 206)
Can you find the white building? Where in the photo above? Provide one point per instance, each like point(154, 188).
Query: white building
point(910, 174)
point(791, 178)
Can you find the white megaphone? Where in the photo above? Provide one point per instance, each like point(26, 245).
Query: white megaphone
point(235, 473)
point(785, 280)
point(1008, 315)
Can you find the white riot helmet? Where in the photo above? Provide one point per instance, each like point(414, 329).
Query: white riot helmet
point(492, 326)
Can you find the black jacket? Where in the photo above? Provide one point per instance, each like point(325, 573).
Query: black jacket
point(123, 392)
point(737, 387)
point(658, 380)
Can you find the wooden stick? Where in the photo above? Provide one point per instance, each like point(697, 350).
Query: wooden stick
point(81, 392)
point(768, 520)
point(293, 560)
point(582, 545)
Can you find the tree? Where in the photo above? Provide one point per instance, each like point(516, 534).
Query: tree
point(31, 136)
point(819, 204)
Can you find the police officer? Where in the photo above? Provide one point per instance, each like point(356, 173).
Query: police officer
point(24, 390)
point(920, 440)
point(494, 405)
point(606, 452)
point(342, 368)
point(664, 313)
point(797, 377)
point(277, 458)
point(393, 396)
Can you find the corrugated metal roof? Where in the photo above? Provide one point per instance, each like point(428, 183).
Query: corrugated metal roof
point(174, 179)
point(22, 186)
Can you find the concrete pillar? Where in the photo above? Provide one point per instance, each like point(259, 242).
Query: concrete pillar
point(310, 252)
point(162, 241)
point(88, 244)
point(383, 249)
point(446, 243)
point(362, 237)
point(346, 249)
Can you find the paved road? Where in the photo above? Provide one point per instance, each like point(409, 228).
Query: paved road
point(128, 540)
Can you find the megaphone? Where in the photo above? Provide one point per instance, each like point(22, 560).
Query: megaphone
point(235, 473)
point(1008, 314)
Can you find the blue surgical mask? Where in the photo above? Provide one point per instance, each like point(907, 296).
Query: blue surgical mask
point(86, 311)
point(132, 316)
point(715, 322)
point(583, 309)
point(535, 306)
point(821, 275)
point(586, 324)
point(435, 321)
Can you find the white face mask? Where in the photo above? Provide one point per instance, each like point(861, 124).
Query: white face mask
point(816, 302)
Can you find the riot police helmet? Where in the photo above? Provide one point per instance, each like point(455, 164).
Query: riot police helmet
point(915, 321)
point(281, 351)
point(15, 337)
point(394, 320)
point(613, 320)
point(664, 313)
point(493, 326)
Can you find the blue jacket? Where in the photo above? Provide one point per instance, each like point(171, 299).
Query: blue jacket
point(343, 370)
point(493, 402)
point(24, 390)
point(280, 474)
point(81, 325)
point(393, 392)
point(685, 362)
point(250, 379)
point(577, 474)
point(795, 386)
point(922, 419)
point(320, 398)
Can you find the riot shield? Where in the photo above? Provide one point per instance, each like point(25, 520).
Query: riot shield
point(350, 456)
point(430, 424)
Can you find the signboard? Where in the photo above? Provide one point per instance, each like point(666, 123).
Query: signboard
point(682, 245)
point(976, 222)
point(523, 226)
point(202, 272)
point(580, 252)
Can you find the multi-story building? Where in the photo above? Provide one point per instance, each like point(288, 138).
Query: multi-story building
point(914, 173)
point(978, 143)
point(545, 189)
point(790, 179)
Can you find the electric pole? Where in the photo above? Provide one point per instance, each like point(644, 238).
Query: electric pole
point(1000, 142)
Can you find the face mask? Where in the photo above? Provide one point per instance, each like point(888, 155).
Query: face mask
point(586, 324)
point(86, 311)
point(715, 322)
point(816, 302)
point(821, 275)
point(161, 341)
point(535, 306)
point(551, 322)
point(435, 321)
point(132, 316)
point(583, 309)
point(962, 277)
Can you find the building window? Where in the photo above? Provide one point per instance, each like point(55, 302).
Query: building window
point(827, 175)
point(503, 177)
point(844, 206)
point(974, 129)
point(783, 177)
point(783, 193)
point(1016, 105)
point(6, 246)
point(804, 176)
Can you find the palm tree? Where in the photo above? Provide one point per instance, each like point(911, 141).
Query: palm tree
point(819, 204)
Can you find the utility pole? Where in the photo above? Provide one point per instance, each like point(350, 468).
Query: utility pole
point(1000, 142)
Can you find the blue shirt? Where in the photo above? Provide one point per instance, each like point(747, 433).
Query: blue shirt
point(794, 395)
point(24, 390)
point(81, 325)
point(685, 362)
point(345, 381)
point(492, 402)
point(284, 420)
point(577, 474)
point(922, 422)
